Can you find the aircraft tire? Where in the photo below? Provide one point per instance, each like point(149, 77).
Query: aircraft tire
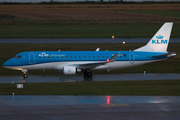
point(89, 74)
point(25, 75)
point(85, 73)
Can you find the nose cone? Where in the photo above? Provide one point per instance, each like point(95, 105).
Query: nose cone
point(7, 63)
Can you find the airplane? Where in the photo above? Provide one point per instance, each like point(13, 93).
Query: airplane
point(72, 62)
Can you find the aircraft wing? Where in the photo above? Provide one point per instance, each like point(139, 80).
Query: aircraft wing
point(162, 55)
point(94, 65)
point(90, 65)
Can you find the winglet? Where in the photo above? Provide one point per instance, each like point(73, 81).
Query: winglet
point(113, 57)
point(97, 49)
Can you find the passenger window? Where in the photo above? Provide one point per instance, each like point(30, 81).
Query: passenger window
point(48, 57)
point(57, 57)
point(84, 56)
point(74, 56)
point(107, 56)
point(61, 56)
point(89, 56)
point(43, 57)
point(93, 57)
point(52, 56)
point(102, 56)
point(97, 56)
point(79, 56)
point(66, 56)
point(39, 57)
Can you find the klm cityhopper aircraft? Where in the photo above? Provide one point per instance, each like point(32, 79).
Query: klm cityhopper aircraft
point(71, 62)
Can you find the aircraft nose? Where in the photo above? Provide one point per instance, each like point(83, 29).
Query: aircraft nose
point(7, 63)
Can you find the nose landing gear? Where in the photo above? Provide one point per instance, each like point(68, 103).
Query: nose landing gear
point(25, 75)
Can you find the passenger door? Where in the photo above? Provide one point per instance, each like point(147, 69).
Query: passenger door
point(131, 57)
point(31, 58)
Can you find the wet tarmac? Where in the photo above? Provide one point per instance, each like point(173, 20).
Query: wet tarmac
point(51, 107)
point(96, 77)
point(83, 40)
point(67, 107)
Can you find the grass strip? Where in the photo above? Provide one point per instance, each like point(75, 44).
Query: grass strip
point(83, 30)
point(150, 87)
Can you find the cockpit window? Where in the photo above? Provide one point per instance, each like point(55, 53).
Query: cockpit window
point(19, 57)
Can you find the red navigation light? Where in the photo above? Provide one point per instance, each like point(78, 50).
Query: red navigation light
point(107, 60)
point(108, 100)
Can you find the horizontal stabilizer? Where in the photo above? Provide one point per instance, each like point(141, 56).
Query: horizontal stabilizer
point(167, 54)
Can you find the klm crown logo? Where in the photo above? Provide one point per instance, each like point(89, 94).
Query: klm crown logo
point(159, 37)
point(43, 54)
point(159, 40)
point(69, 71)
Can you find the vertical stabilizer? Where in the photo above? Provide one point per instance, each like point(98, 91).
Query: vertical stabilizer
point(159, 41)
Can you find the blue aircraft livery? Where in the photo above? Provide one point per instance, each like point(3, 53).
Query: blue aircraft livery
point(160, 41)
point(71, 62)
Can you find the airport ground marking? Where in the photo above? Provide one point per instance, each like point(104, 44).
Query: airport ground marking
point(104, 105)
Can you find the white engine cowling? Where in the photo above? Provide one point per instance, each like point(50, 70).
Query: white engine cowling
point(69, 70)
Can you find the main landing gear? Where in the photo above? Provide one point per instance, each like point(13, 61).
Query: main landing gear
point(88, 73)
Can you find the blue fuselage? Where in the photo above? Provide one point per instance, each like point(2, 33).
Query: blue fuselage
point(41, 57)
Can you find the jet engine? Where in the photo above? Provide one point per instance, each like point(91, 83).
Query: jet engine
point(70, 70)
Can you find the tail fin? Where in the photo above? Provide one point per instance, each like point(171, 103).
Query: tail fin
point(159, 42)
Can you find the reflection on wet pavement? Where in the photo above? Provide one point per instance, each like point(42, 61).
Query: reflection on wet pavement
point(75, 78)
point(32, 100)
point(67, 107)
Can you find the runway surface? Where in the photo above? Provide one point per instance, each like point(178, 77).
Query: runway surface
point(52, 107)
point(83, 40)
point(105, 77)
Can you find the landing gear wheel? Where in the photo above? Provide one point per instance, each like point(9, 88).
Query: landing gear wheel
point(25, 76)
point(88, 74)
point(85, 73)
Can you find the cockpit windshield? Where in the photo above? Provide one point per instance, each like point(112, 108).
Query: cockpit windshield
point(17, 56)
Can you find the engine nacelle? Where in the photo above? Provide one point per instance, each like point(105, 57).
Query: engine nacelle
point(69, 70)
